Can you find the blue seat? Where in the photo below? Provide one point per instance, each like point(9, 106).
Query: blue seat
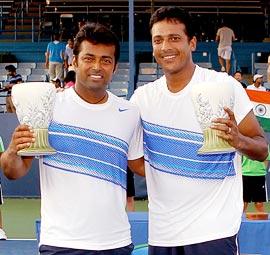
point(147, 77)
point(123, 65)
point(205, 64)
point(120, 77)
point(148, 68)
point(118, 85)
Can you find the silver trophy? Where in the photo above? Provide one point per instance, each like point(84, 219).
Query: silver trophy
point(209, 100)
point(34, 102)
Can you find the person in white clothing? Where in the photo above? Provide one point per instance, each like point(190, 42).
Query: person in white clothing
point(69, 55)
point(96, 135)
point(225, 36)
point(258, 83)
point(195, 201)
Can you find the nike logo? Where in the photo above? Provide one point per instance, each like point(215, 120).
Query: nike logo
point(122, 109)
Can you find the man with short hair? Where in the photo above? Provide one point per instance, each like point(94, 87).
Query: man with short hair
point(69, 55)
point(96, 135)
point(258, 83)
point(238, 76)
point(13, 78)
point(225, 36)
point(195, 201)
point(55, 56)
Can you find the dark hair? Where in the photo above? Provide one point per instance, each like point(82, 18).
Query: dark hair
point(56, 36)
point(238, 71)
point(10, 68)
point(71, 76)
point(97, 34)
point(173, 13)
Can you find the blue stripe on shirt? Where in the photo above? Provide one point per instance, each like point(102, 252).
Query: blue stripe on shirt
point(57, 127)
point(177, 154)
point(93, 157)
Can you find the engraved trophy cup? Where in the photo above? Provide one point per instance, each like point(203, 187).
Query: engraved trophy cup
point(209, 99)
point(34, 102)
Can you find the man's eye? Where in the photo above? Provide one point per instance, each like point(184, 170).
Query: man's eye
point(157, 41)
point(107, 61)
point(175, 38)
point(88, 59)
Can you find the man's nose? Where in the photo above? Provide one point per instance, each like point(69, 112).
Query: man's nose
point(165, 45)
point(96, 65)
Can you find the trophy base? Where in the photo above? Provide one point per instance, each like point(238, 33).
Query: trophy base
point(40, 147)
point(205, 150)
point(36, 152)
point(213, 144)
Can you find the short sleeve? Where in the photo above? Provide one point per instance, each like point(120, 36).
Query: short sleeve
point(136, 143)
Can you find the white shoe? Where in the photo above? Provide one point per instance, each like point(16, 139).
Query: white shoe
point(223, 69)
point(2, 234)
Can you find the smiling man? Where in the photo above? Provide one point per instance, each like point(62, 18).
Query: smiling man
point(83, 186)
point(191, 210)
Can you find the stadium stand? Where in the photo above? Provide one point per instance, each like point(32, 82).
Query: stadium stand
point(26, 65)
point(205, 64)
point(41, 71)
point(3, 95)
point(36, 77)
point(3, 77)
point(147, 77)
point(24, 71)
point(148, 68)
point(120, 77)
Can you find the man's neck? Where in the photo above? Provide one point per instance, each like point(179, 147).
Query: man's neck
point(178, 81)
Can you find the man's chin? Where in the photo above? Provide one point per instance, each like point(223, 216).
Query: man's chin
point(169, 71)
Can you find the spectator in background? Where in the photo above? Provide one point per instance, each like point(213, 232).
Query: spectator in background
point(2, 232)
point(69, 55)
point(238, 76)
point(55, 56)
point(13, 78)
point(57, 84)
point(225, 36)
point(254, 183)
point(258, 83)
point(70, 79)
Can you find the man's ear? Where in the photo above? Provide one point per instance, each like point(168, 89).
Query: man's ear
point(74, 61)
point(193, 43)
point(115, 68)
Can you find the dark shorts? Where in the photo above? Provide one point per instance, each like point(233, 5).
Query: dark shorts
point(254, 189)
point(224, 246)
point(51, 250)
point(1, 195)
point(130, 183)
